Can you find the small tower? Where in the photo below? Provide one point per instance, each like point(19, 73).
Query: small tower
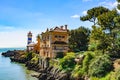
point(29, 37)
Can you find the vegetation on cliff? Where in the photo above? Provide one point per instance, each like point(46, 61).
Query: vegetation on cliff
point(101, 47)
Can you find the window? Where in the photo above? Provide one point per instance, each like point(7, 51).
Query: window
point(59, 36)
point(56, 36)
point(63, 36)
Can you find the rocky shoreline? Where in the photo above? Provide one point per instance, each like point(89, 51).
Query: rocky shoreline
point(45, 71)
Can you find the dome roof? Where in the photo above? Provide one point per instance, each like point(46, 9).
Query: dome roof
point(29, 33)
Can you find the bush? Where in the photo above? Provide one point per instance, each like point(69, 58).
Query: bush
point(75, 72)
point(35, 59)
point(115, 75)
point(67, 63)
point(29, 55)
point(100, 66)
point(82, 70)
point(86, 62)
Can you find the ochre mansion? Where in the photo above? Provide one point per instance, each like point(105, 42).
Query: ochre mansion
point(52, 41)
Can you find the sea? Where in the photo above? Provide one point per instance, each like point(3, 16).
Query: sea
point(13, 70)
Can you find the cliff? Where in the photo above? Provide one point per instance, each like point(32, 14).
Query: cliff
point(42, 66)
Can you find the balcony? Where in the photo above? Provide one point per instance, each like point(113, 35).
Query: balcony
point(58, 50)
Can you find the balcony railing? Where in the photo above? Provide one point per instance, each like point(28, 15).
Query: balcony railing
point(60, 50)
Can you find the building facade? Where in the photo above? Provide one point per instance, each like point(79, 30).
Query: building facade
point(54, 41)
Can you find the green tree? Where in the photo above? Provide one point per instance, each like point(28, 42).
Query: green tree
point(115, 33)
point(79, 39)
point(114, 50)
point(93, 13)
point(106, 21)
point(99, 40)
point(117, 20)
point(109, 22)
point(118, 6)
point(104, 36)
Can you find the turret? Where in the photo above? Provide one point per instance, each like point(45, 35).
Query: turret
point(65, 27)
point(29, 37)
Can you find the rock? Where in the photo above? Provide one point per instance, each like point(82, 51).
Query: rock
point(20, 60)
point(46, 72)
point(43, 77)
point(9, 53)
point(35, 75)
point(51, 73)
point(15, 56)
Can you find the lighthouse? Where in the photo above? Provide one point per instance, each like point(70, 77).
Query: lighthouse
point(29, 37)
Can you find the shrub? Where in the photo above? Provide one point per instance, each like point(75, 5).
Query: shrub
point(100, 66)
point(115, 75)
point(29, 55)
point(81, 70)
point(35, 59)
point(67, 63)
point(86, 62)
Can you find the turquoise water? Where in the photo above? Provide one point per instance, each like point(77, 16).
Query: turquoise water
point(13, 71)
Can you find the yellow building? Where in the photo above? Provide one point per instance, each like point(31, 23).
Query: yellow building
point(54, 41)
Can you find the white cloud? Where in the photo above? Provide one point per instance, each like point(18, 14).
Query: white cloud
point(115, 4)
point(108, 4)
point(75, 16)
point(2, 27)
point(16, 37)
point(9, 27)
point(12, 39)
point(84, 12)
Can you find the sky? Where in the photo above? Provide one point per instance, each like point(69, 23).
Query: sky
point(18, 17)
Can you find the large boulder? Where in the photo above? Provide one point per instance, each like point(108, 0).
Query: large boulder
point(9, 53)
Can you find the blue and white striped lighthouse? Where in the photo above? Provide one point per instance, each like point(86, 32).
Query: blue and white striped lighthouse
point(29, 37)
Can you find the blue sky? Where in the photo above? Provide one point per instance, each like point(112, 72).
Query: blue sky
point(17, 17)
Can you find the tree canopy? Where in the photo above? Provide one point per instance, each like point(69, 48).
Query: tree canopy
point(79, 39)
point(93, 13)
point(118, 6)
point(106, 20)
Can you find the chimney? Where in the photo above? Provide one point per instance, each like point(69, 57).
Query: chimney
point(61, 27)
point(65, 27)
point(47, 30)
